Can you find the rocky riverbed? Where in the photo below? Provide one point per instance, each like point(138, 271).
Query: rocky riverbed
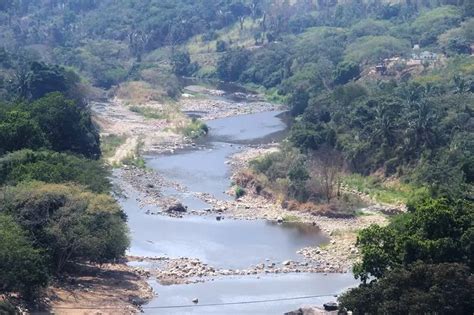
point(336, 256)
point(190, 270)
point(152, 187)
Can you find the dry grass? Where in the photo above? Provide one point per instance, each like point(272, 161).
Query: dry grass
point(139, 92)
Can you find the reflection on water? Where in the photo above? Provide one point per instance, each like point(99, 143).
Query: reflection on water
point(251, 288)
point(226, 244)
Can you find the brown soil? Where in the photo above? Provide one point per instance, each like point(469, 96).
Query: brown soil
point(105, 289)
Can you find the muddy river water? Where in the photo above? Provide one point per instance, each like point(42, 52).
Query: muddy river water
point(233, 244)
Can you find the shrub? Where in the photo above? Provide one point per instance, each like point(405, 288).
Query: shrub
point(68, 223)
point(195, 129)
point(22, 267)
point(421, 289)
point(239, 192)
point(53, 167)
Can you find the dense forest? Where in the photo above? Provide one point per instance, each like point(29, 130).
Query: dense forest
point(380, 91)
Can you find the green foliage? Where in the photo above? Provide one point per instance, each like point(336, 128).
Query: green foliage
point(66, 222)
point(435, 231)
point(42, 79)
point(110, 143)
point(345, 72)
point(66, 126)
point(397, 128)
point(182, 66)
point(394, 193)
point(421, 289)
point(6, 308)
point(195, 129)
point(51, 122)
point(371, 49)
point(370, 27)
point(18, 130)
point(232, 64)
point(285, 172)
point(22, 267)
point(148, 112)
point(458, 40)
point(53, 167)
point(429, 25)
point(239, 192)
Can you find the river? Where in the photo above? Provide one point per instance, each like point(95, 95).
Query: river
point(228, 243)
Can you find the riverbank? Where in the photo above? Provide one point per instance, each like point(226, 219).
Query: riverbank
point(105, 289)
point(337, 256)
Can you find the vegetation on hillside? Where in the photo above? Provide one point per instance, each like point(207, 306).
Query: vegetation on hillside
point(55, 204)
point(376, 88)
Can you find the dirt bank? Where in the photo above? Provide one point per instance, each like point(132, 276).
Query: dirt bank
point(104, 289)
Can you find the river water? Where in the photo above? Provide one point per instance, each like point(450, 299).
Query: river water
point(232, 244)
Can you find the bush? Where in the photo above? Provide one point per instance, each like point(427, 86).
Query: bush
point(420, 289)
point(239, 192)
point(195, 129)
point(221, 46)
point(6, 308)
point(434, 231)
point(22, 267)
point(68, 223)
point(53, 167)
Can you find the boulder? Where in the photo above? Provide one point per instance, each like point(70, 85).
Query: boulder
point(330, 306)
point(177, 207)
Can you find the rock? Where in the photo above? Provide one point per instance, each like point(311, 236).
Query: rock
point(330, 306)
point(137, 301)
point(280, 220)
point(286, 263)
point(195, 300)
point(297, 312)
point(218, 218)
point(177, 207)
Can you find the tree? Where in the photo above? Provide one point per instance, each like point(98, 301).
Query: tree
point(346, 71)
point(18, 130)
point(43, 79)
point(181, 62)
point(68, 223)
point(421, 289)
point(298, 102)
point(326, 167)
point(22, 267)
point(53, 167)
point(67, 127)
point(221, 46)
point(434, 231)
point(231, 65)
